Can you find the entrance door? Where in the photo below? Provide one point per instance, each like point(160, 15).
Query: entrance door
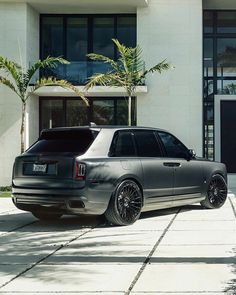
point(228, 134)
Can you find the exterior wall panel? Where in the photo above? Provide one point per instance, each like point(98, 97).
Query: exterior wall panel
point(173, 30)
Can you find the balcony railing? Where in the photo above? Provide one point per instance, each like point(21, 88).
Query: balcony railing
point(76, 72)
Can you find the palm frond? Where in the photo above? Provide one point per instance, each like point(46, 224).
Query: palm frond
point(62, 83)
point(103, 58)
point(108, 79)
point(49, 62)
point(162, 66)
point(9, 84)
point(10, 67)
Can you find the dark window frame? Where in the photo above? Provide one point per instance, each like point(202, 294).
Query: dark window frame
point(90, 18)
point(215, 36)
point(89, 109)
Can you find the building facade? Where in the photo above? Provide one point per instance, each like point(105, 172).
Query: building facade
point(189, 100)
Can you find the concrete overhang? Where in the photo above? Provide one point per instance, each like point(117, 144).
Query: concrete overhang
point(83, 6)
point(219, 4)
point(97, 91)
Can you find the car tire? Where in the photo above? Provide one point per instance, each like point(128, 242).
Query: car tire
point(47, 216)
point(126, 204)
point(216, 193)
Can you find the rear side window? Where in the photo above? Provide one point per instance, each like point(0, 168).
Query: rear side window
point(123, 145)
point(147, 144)
point(64, 141)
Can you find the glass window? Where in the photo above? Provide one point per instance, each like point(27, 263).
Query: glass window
point(147, 144)
point(126, 30)
point(73, 141)
point(208, 21)
point(52, 114)
point(77, 38)
point(208, 57)
point(103, 112)
point(226, 87)
point(208, 89)
point(74, 36)
point(76, 113)
point(123, 145)
point(226, 21)
point(52, 36)
point(174, 148)
point(103, 32)
point(226, 57)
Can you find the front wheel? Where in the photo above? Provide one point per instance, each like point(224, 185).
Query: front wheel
point(216, 193)
point(125, 204)
point(47, 216)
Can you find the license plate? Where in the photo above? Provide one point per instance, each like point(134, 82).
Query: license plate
point(40, 168)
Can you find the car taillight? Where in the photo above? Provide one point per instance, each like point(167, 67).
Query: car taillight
point(80, 171)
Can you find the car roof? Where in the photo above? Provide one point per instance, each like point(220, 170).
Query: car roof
point(99, 127)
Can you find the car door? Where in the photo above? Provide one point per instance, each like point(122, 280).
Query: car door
point(188, 172)
point(158, 178)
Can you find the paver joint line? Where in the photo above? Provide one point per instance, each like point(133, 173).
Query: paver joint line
point(147, 260)
point(19, 227)
point(44, 258)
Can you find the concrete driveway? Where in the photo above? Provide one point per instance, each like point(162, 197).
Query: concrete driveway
point(184, 250)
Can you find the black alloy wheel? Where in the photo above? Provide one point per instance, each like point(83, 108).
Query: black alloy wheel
point(216, 193)
point(125, 204)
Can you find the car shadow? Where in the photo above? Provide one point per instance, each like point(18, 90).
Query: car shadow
point(23, 221)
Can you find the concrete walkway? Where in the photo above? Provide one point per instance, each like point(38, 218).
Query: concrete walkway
point(184, 250)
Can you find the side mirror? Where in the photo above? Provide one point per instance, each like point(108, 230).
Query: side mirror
point(192, 154)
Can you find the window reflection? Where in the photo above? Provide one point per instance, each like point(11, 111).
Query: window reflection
point(226, 22)
point(73, 112)
point(74, 36)
point(52, 113)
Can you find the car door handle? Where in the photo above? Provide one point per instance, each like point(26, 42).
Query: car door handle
point(171, 164)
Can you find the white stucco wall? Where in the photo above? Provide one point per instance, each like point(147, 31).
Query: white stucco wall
point(13, 46)
point(17, 42)
point(172, 29)
point(32, 122)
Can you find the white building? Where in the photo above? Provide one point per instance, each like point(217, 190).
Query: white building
point(174, 100)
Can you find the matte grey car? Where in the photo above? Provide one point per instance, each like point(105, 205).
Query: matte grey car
point(116, 171)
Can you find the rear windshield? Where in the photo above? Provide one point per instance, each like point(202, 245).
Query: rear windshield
point(64, 141)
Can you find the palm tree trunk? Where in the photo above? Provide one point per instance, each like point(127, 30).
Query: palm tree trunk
point(129, 111)
point(22, 129)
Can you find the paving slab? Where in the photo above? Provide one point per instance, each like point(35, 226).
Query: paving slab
point(203, 225)
point(23, 254)
point(8, 272)
point(200, 238)
point(116, 254)
point(75, 278)
point(123, 238)
point(224, 213)
point(196, 253)
point(183, 278)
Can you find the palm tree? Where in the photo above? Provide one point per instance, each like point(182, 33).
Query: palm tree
point(127, 72)
point(18, 80)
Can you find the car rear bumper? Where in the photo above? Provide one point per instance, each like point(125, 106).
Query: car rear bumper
point(65, 201)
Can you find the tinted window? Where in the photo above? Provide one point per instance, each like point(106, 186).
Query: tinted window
point(123, 145)
point(174, 148)
point(72, 141)
point(147, 144)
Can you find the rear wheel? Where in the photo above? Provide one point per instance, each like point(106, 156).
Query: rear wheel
point(47, 216)
point(125, 204)
point(216, 193)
